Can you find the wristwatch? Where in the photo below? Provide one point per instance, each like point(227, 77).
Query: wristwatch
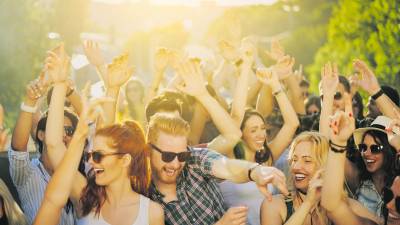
point(28, 109)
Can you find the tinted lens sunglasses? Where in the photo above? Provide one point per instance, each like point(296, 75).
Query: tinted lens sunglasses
point(388, 196)
point(69, 130)
point(337, 96)
point(375, 149)
point(98, 156)
point(170, 156)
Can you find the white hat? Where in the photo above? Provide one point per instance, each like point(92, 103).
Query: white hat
point(379, 124)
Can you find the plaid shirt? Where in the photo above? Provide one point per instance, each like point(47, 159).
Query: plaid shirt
point(199, 199)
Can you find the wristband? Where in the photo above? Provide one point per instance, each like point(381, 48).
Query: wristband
point(28, 109)
point(251, 170)
point(377, 94)
point(337, 148)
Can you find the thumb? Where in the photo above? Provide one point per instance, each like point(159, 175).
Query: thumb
point(264, 190)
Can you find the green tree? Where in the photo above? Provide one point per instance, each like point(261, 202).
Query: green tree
point(368, 30)
point(22, 49)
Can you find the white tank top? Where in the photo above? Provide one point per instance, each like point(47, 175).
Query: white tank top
point(141, 219)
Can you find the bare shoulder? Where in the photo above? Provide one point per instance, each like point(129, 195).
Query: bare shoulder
point(156, 213)
point(363, 212)
point(274, 211)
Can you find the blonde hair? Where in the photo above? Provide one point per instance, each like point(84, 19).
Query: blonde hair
point(14, 214)
point(167, 123)
point(320, 149)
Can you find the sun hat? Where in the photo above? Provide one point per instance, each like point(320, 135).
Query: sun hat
point(379, 124)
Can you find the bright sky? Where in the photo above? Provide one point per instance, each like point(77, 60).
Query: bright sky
point(194, 2)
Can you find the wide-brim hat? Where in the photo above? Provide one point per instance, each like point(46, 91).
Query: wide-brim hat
point(379, 124)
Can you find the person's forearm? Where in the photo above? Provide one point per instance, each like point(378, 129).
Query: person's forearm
point(76, 101)
point(288, 113)
point(265, 103)
point(295, 92)
point(332, 188)
point(232, 169)
point(110, 108)
point(387, 107)
point(55, 119)
point(299, 216)
point(253, 93)
point(326, 112)
point(155, 85)
point(23, 126)
point(197, 124)
point(101, 70)
point(220, 117)
point(240, 95)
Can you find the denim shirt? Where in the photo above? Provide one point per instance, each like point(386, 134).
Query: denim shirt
point(369, 197)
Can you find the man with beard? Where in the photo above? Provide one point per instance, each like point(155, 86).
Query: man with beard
point(184, 179)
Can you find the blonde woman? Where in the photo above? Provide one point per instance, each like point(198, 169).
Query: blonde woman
point(10, 213)
point(307, 156)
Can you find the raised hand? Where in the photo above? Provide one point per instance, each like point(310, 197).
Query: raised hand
point(91, 110)
point(277, 51)
point(264, 175)
point(342, 124)
point(284, 67)
point(118, 72)
point(314, 188)
point(329, 79)
point(192, 77)
point(248, 51)
point(269, 77)
point(234, 215)
point(93, 53)
point(36, 88)
point(368, 82)
point(161, 59)
point(57, 64)
point(228, 51)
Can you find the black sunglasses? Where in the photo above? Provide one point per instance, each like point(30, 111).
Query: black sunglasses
point(69, 130)
point(97, 156)
point(170, 156)
point(337, 96)
point(388, 196)
point(375, 149)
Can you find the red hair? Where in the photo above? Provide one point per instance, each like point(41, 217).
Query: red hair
point(126, 138)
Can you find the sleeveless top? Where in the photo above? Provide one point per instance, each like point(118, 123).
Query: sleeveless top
point(141, 219)
point(369, 197)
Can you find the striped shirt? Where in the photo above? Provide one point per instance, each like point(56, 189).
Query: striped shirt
point(31, 178)
point(199, 199)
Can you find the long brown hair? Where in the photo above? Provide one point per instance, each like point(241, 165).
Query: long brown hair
point(126, 138)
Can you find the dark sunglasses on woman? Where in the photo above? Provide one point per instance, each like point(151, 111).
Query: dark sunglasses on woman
point(375, 149)
point(97, 156)
point(388, 196)
point(170, 156)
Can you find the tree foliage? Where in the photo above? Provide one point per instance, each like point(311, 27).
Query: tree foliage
point(22, 49)
point(368, 30)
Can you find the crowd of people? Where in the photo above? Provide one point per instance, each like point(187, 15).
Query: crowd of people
point(233, 142)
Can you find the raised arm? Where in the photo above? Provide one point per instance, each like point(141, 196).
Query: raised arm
point(291, 122)
point(161, 61)
point(336, 204)
point(242, 82)
point(67, 181)
point(57, 67)
point(118, 73)
point(370, 84)
point(34, 90)
point(194, 85)
point(95, 57)
point(329, 83)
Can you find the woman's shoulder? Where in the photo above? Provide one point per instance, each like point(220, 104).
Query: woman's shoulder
point(276, 207)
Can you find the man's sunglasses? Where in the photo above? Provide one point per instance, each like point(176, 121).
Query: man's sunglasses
point(375, 149)
point(98, 156)
point(170, 156)
point(337, 96)
point(388, 196)
point(69, 130)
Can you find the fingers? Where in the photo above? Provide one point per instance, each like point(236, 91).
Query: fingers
point(393, 127)
point(273, 176)
point(264, 190)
